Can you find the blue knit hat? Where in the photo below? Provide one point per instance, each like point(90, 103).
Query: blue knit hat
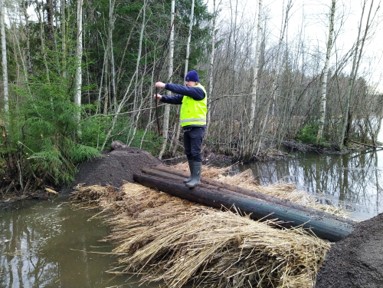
point(192, 76)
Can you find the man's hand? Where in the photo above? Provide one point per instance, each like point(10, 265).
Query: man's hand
point(160, 85)
point(158, 96)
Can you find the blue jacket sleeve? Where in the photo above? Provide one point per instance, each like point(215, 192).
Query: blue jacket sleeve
point(172, 99)
point(193, 92)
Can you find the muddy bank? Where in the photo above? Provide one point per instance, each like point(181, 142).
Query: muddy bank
point(115, 167)
point(357, 260)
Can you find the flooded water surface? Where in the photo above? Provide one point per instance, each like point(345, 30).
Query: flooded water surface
point(50, 244)
point(353, 182)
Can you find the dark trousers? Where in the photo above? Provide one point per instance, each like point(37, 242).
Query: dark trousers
point(193, 137)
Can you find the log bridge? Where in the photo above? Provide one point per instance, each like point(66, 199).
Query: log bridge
point(259, 206)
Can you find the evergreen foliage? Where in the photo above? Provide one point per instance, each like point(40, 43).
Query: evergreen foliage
point(308, 133)
point(125, 52)
point(43, 135)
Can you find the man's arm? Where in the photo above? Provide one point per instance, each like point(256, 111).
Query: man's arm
point(172, 99)
point(193, 92)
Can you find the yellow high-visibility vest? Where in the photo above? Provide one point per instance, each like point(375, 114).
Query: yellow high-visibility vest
point(193, 112)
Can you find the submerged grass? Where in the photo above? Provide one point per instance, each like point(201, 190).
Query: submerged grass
point(168, 240)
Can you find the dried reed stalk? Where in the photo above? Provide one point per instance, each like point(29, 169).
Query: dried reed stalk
point(171, 241)
point(280, 190)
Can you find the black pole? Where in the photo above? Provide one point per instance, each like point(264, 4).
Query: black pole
point(323, 225)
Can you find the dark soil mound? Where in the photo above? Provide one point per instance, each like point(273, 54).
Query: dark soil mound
point(115, 167)
point(357, 260)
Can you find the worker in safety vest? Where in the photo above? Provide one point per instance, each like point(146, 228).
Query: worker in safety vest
point(193, 98)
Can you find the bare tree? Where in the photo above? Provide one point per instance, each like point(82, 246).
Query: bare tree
point(4, 62)
point(165, 128)
point(63, 24)
point(323, 100)
point(254, 85)
point(137, 102)
point(176, 135)
point(79, 48)
point(109, 71)
point(211, 64)
point(274, 113)
point(189, 37)
point(129, 92)
point(357, 56)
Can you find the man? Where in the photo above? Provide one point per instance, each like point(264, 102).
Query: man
point(193, 98)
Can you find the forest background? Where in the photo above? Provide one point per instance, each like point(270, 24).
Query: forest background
point(77, 75)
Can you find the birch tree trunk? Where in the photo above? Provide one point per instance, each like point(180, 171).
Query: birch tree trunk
point(211, 65)
point(137, 101)
point(176, 135)
point(323, 100)
point(112, 19)
point(63, 38)
point(278, 66)
point(189, 38)
point(4, 57)
point(165, 128)
point(109, 73)
point(78, 84)
point(254, 85)
point(106, 78)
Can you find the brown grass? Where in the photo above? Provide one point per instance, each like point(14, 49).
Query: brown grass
point(175, 242)
point(281, 190)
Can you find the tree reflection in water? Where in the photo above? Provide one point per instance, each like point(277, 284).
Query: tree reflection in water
point(353, 182)
point(51, 245)
point(48, 244)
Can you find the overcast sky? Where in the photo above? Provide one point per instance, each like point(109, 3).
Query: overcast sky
point(313, 16)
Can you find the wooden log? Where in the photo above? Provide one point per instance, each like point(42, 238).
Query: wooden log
point(167, 172)
point(324, 225)
point(164, 171)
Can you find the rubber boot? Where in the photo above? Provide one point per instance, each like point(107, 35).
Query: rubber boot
point(196, 175)
point(190, 169)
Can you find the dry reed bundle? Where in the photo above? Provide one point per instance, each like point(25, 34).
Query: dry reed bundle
point(172, 241)
point(286, 191)
point(281, 190)
point(91, 194)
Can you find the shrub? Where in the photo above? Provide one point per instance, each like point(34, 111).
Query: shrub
point(308, 134)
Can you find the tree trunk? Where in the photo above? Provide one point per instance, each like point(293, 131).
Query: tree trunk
point(165, 127)
point(211, 65)
point(64, 53)
point(174, 142)
point(357, 56)
point(254, 86)
point(78, 84)
point(323, 101)
point(113, 81)
point(138, 97)
point(40, 15)
point(4, 62)
point(189, 37)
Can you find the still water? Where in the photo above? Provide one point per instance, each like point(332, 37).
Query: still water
point(51, 244)
point(353, 182)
